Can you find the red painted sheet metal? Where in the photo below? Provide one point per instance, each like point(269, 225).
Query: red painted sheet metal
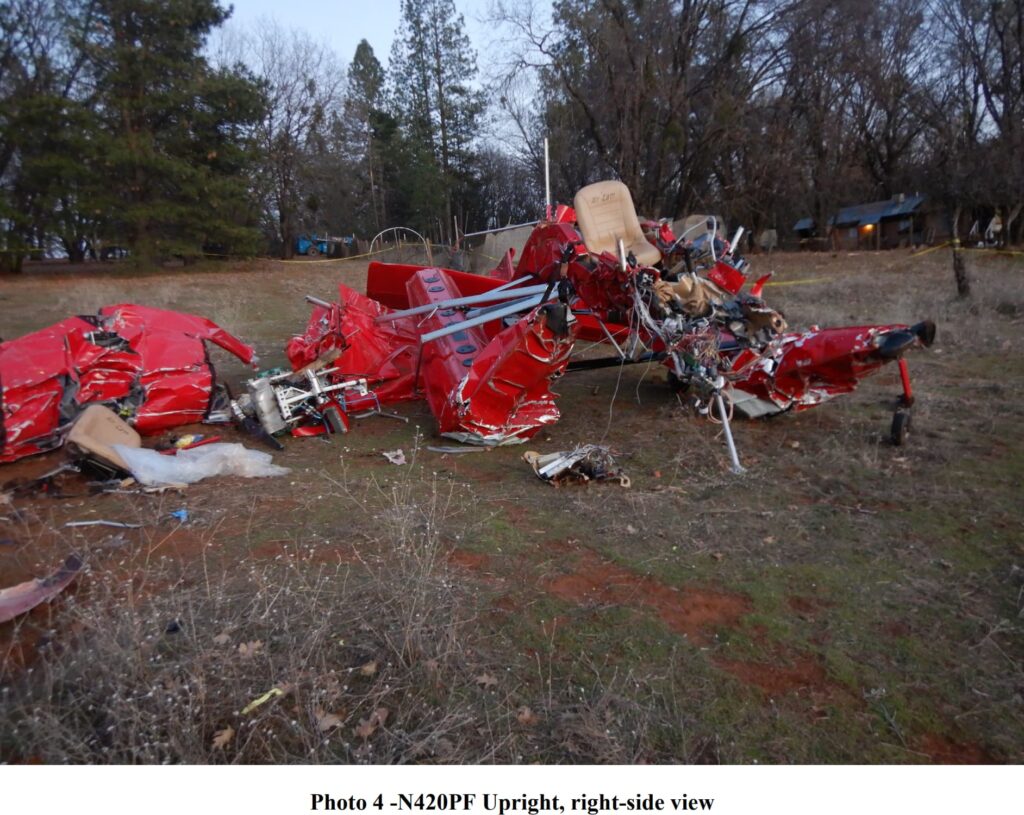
point(382, 353)
point(386, 282)
point(803, 370)
point(445, 360)
point(150, 364)
point(506, 397)
point(486, 390)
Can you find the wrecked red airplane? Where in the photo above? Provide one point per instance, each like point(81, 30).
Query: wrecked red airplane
point(484, 350)
point(148, 364)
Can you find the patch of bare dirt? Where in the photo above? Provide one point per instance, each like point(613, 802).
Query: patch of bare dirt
point(806, 607)
point(690, 611)
point(801, 675)
point(468, 560)
point(943, 750)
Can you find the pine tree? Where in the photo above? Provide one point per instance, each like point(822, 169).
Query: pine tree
point(368, 126)
point(432, 70)
point(173, 131)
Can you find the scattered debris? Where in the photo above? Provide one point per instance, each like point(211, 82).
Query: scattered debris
point(179, 515)
point(588, 462)
point(92, 438)
point(114, 524)
point(149, 364)
point(307, 401)
point(26, 596)
point(452, 450)
point(394, 456)
point(261, 700)
point(45, 484)
point(189, 466)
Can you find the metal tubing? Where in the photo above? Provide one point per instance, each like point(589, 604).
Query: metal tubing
point(498, 229)
point(316, 301)
point(501, 293)
point(454, 328)
point(547, 183)
point(736, 466)
point(736, 239)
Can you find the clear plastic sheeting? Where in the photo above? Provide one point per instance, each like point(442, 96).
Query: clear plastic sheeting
point(151, 468)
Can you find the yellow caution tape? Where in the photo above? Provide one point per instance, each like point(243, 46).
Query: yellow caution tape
point(929, 249)
point(804, 282)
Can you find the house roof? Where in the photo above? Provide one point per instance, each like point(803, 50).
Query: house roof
point(876, 211)
point(870, 213)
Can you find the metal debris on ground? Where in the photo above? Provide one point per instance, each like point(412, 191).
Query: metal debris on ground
point(457, 450)
point(26, 596)
point(588, 462)
point(306, 402)
point(114, 524)
point(394, 456)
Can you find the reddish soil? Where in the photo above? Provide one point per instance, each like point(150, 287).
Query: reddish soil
point(803, 675)
point(807, 607)
point(896, 629)
point(943, 750)
point(468, 560)
point(518, 514)
point(332, 554)
point(690, 611)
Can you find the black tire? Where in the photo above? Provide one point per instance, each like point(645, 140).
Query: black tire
point(333, 420)
point(900, 427)
point(312, 252)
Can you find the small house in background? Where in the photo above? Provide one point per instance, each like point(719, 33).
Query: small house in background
point(903, 220)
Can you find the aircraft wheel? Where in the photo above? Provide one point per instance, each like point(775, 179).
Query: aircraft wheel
point(900, 426)
point(333, 420)
point(312, 251)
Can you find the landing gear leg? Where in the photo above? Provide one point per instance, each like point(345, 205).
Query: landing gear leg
point(901, 418)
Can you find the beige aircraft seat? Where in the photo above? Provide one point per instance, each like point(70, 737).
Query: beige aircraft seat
point(605, 213)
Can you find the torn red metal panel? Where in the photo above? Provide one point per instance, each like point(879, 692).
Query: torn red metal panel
point(386, 282)
point(150, 364)
point(26, 596)
point(384, 354)
point(803, 370)
point(506, 397)
point(490, 391)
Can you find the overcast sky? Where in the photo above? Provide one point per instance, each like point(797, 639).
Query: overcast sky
point(341, 24)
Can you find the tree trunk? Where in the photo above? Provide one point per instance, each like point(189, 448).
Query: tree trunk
point(1009, 216)
point(963, 284)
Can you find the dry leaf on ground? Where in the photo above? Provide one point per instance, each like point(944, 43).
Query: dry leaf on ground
point(526, 717)
point(367, 727)
point(222, 738)
point(369, 669)
point(325, 720)
point(486, 680)
point(250, 649)
point(221, 639)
